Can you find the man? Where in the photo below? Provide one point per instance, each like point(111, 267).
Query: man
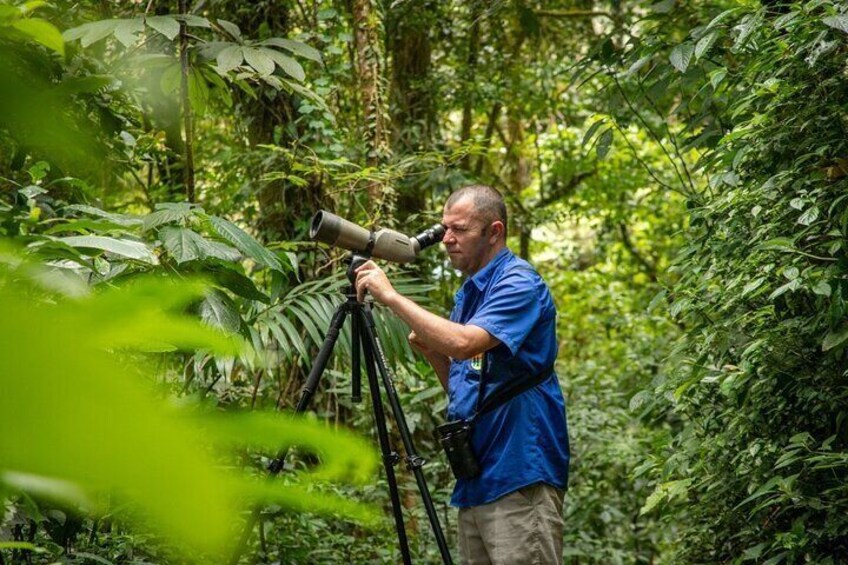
point(511, 513)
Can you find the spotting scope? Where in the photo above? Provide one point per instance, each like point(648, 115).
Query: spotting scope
point(381, 244)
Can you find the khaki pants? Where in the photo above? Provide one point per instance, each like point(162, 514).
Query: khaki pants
point(523, 527)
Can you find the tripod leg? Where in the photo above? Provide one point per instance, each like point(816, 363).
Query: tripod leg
point(356, 372)
point(413, 460)
point(389, 457)
point(307, 393)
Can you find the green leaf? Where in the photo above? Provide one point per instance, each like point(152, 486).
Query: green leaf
point(810, 216)
point(754, 552)
point(186, 245)
point(236, 282)
point(753, 285)
point(124, 247)
point(705, 44)
point(635, 67)
point(717, 76)
point(166, 25)
point(167, 214)
point(259, 60)
point(791, 285)
point(306, 93)
point(764, 489)
point(218, 310)
point(839, 22)
point(835, 339)
point(245, 243)
point(592, 129)
point(292, 336)
point(822, 288)
point(779, 243)
point(120, 219)
point(287, 64)
point(193, 21)
point(91, 32)
point(681, 55)
point(229, 58)
point(604, 143)
point(128, 30)
point(231, 29)
point(30, 6)
point(42, 32)
point(296, 47)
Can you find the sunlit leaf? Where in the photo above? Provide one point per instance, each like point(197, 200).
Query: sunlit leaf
point(43, 32)
point(681, 55)
point(131, 249)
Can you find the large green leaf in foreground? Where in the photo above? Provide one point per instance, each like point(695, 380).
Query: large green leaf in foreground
point(71, 412)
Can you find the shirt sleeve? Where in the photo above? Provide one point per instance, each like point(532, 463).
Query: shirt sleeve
point(511, 310)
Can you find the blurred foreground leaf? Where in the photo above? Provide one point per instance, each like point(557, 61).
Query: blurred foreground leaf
point(74, 413)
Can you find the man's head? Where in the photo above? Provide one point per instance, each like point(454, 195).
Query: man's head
point(475, 218)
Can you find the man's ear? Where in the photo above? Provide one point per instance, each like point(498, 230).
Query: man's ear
point(497, 231)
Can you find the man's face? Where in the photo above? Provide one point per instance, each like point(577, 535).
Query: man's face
point(466, 238)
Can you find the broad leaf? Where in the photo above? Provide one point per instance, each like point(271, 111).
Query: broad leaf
point(123, 247)
point(286, 63)
point(120, 219)
point(839, 22)
point(229, 58)
point(166, 25)
point(296, 47)
point(186, 245)
point(259, 60)
point(43, 32)
point(835, 339)
point(681, 55)
point(170, 213)
point(220, 311)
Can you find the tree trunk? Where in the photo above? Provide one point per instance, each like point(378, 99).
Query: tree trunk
point(469, 81)
point(188, 126)
point(412, 94)
point(366, 46)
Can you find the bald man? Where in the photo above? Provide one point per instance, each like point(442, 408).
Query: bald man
point(501, 334)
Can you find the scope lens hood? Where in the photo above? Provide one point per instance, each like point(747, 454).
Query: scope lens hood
point(325, 227)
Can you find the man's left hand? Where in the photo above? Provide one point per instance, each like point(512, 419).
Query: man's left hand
point(370, 277)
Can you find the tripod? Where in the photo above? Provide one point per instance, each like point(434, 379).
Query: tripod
point(364, 334)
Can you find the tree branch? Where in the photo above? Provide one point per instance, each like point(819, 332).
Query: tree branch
point(569, 14)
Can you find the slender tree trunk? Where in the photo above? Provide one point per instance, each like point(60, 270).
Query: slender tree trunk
point(188, 169)
point(469, 82)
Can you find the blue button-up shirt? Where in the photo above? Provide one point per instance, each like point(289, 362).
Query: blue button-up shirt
point(525, 440)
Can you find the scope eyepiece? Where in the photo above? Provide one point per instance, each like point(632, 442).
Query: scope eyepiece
point(431, 236)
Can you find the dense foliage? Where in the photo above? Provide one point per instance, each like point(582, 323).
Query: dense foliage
point(674, 169)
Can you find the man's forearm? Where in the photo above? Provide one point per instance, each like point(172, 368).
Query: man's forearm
point(443, 336)
point(441, 365)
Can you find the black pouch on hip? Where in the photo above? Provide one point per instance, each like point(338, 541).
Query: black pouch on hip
point(455, 436)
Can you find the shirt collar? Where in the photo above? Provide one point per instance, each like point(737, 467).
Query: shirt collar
point(481, 278)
